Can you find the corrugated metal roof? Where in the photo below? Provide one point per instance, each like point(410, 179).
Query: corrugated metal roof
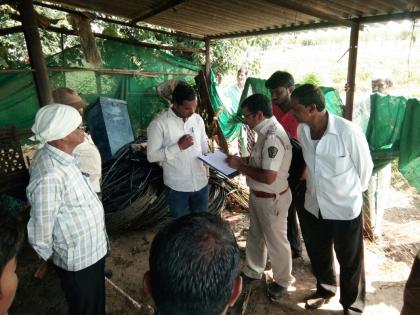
point(220, 19)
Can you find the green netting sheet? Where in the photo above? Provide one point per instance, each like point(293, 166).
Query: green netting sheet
point(229, 116)
point(18, 102)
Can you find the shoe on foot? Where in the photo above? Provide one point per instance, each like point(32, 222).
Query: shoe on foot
point(296, 254)
point(108, 272)
point(276, 291)
point(316, 301)
point(247, 280)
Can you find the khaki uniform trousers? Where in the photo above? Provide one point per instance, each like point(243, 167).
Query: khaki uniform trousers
point(268, 235)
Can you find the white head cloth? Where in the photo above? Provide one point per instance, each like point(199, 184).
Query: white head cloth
point(55, 121)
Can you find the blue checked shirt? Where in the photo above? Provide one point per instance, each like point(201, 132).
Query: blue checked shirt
point(67, 218)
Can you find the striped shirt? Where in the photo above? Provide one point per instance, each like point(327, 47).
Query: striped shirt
point(67, 218)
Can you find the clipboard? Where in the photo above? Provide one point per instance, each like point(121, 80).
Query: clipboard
point(217, 161)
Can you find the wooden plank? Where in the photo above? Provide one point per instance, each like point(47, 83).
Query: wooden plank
point(127, 41)
point(390, 17)
point(36, 56)
point(351, 72)
point(103, 71)
point(208, 62)
point(276, 30)
point(206, 102)
point(10, 30)
point(159, 9)
point(301, 7)
point(114, 21)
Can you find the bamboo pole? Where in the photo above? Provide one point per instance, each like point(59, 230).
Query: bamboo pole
point(102, 71)
point(351, 72)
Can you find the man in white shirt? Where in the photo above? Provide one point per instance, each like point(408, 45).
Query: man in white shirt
point(66, 223)
point(176, 138)
point(270, 197)
point(339, 166)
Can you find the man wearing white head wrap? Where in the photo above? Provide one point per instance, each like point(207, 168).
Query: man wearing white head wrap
point(55, 121)
point(66, 223)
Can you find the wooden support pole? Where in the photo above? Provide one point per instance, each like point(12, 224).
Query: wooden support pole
point(207, 69)
point(36, 56)
point(351, 71)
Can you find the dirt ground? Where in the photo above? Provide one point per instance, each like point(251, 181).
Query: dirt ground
point(387, 263)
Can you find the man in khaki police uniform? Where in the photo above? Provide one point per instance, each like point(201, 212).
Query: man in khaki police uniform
point(270, 196)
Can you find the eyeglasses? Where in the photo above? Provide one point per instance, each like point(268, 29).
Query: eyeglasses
point(246, 116)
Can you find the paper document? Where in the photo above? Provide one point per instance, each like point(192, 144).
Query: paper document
point(217, 161)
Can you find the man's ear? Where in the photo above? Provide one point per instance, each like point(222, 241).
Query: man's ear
point(147, 287)
point(312, 108)
point(236, 291)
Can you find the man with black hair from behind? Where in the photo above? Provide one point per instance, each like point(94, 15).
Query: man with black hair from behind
point(194, 267)
point(11, 239)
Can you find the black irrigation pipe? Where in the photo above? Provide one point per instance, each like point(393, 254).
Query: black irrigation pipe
point(134, 194)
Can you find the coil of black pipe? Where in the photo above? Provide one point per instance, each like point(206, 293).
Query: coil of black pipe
point(133, 193)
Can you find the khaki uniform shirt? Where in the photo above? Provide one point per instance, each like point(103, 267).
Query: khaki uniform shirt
point(272, 151)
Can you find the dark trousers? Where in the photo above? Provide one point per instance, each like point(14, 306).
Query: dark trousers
point(412, 290)
point(84, 289)
point(181, 203)
point(296, 207)
point(346, 236)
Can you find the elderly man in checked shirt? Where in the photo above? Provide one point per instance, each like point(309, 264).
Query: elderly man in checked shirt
point(67, 218)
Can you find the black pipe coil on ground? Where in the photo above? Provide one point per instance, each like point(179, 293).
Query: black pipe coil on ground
point(133, 193)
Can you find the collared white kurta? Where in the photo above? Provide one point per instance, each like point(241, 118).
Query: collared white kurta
point(339, 167)
point(182, 170)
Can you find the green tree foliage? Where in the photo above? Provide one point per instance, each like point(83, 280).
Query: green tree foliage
point(312, 78)
point(13, 53)
point(226, 55)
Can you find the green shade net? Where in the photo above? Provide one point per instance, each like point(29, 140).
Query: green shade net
point(229, 120)
point(384, 127)
point(230, 127)
point(19, 103)
point(409, 156)
point(332, 97)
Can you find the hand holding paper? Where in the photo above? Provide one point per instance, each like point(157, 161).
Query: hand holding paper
point(234, 162)
point(218, 161)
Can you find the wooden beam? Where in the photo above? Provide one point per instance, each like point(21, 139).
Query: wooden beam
point(311, 11)
point(36, 56)
point(351, 72)
point(159, 9)
point(11, 30)
point(114, 21)
point(312, 26)
point(275, 30)
point(208, 61)
point(103, 71)
point(389, 17)
point(127, 41)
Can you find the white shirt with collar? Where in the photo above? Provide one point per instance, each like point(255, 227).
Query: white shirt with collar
point(182, 170)
point(90, 161)
point(279, 159)
point(339, 167)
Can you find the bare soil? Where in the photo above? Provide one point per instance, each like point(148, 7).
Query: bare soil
point(387, 262)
